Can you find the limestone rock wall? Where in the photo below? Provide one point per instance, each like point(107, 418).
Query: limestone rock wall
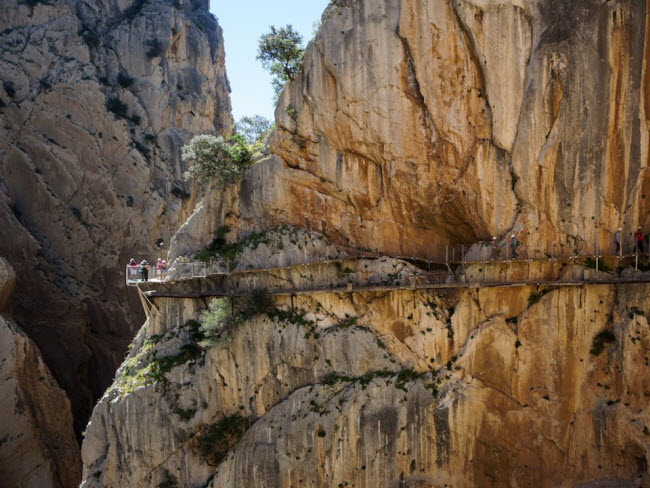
point(464, 388)
point(37, 443)
point(96, 99)
point(414, 124)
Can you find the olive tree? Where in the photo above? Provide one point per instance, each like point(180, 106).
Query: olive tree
point(217, 160)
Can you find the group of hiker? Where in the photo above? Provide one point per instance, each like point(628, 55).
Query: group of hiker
point(638, 242)
point(513, 245)
point(142, 269)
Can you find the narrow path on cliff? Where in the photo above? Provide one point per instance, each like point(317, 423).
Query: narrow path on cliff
point(216, 278)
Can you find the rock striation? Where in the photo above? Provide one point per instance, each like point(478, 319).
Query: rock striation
point(96, 99)
point(415, 124)
point(421, 388)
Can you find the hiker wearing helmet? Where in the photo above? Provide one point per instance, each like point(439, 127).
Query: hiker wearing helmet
point(513, 246)
point(638, 237)
point(144, 270)
point(133, 269)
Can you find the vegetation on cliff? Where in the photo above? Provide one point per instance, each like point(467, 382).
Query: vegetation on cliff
point(218, 160)
point(281, 52)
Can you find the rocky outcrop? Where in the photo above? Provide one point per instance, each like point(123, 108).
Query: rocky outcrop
point(454, 121)
point(37, 444)
point(464, 388)
point(96, 99)
point(416, 124)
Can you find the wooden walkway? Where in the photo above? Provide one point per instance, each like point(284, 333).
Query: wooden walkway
point(393, 288)
point(434, 276)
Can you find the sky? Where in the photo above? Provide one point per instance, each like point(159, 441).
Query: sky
point(243, 22)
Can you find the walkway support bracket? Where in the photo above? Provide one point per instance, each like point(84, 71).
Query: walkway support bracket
point(148, 306)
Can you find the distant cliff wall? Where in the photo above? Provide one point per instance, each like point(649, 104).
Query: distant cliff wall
point(96, 99)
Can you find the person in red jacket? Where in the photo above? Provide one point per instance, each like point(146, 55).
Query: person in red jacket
point(638, 237)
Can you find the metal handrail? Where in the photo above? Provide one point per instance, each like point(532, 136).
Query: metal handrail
point(150, 274)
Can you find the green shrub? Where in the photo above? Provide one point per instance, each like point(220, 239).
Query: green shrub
point(144, 150)
point(179, 192)
point(134, 10)
point(330, 379)
point(124, 80)
point(219, 248)
point(219, 319)
point(348, 321)
point(117, 107)
point(90, 37)
point(218, 160)
point(215, 440)
point(292, 112)
point(535, 297)
point(406, 375)
point(184, 415)
point(433, 388)
point(600, 340)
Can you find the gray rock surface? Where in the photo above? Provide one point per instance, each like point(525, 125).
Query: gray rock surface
point(37, 443)
point(96, 99)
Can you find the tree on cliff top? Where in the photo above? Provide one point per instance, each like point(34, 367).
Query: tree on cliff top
point(254, 128)
point(217, 160)
point(281, 52)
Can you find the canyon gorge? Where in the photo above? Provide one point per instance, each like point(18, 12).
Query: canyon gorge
point(412, 125)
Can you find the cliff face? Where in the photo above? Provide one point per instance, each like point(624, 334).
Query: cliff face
point(96, 99)
point(37, 443)
point(484, 387)
point(415, 123)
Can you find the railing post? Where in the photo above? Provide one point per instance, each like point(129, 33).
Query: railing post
point(620, 245)
point(462, 260)
point(453, 254)
point(447, 255)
